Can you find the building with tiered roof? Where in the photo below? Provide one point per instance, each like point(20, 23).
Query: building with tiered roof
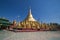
point(4, 23)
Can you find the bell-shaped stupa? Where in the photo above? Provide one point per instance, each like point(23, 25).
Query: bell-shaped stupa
point(29, 16)
point(30, 22)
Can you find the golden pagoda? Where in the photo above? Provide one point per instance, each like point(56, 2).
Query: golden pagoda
point(30, 22)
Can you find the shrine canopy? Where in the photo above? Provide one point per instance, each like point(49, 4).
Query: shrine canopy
point(4, 22)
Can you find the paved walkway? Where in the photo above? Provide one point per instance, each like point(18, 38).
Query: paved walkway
point(34, 36)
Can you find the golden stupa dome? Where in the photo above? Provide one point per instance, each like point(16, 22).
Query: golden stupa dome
point(30, 22)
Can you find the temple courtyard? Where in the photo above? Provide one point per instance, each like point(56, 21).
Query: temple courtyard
point(42, 35)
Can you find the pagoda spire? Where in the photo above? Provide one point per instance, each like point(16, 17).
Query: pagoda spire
point(30, 13)
point(30, 17)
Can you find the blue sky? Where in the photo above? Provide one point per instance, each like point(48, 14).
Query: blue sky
point(43, 10)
